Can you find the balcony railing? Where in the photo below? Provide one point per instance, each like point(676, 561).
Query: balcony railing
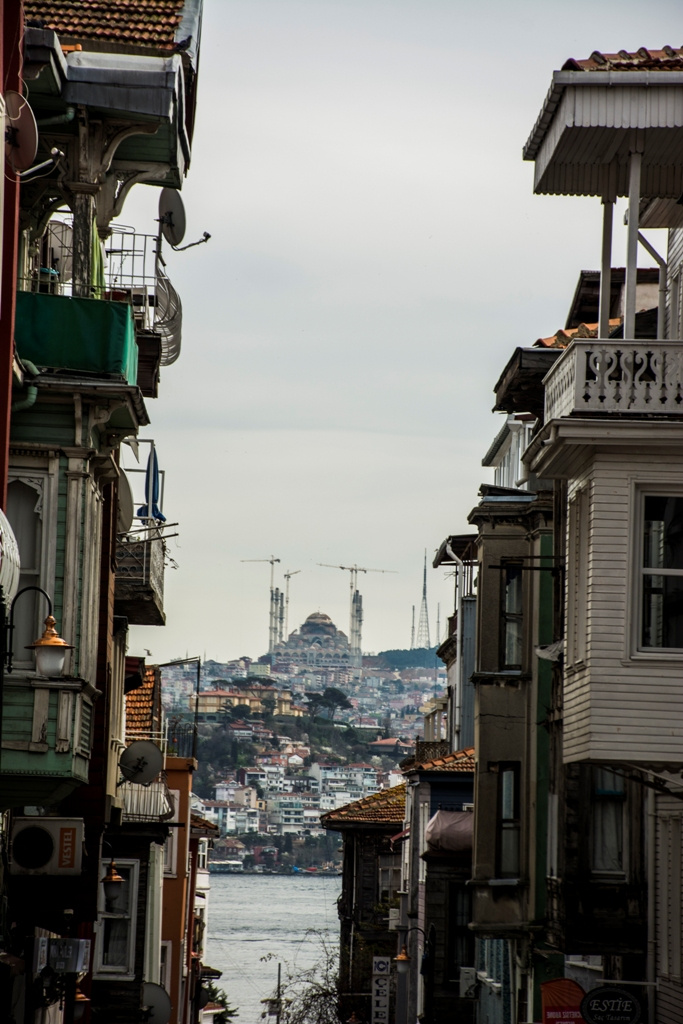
point(139, 589)
point(639, 378)
point(147, 803)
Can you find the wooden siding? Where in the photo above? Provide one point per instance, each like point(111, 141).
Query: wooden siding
point(620, 704)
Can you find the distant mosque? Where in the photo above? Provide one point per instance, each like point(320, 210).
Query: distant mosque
point(316, 645)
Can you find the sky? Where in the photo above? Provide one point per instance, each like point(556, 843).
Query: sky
point(376, 255)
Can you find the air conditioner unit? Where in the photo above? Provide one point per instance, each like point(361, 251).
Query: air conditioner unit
point(468, 983)
point(468, 807)
point(46, 846)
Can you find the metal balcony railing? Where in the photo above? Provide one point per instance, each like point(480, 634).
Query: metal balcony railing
point(139, 588)
point(629, 377)
point(147, 803)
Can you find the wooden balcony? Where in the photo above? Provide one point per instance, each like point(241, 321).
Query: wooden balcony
point(139, 588)
point(634, 378)
point(46, 736)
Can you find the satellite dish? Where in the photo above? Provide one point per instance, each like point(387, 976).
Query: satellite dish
point(21, 135)
point(60, 241)
point(141, 762)
point(157, 1003)
point(172, 216)
point(126, 507)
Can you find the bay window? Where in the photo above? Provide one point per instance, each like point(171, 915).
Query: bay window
point(662, 572)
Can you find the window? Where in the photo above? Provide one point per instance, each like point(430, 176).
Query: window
point(25, 513)
point(202, 854)
point(511, 617)
point(609, 798)
point(662, 572)
point(508, 819)
point(577, 582)
point(460, 936)
point(115, 942)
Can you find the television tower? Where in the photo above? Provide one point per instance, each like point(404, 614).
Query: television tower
point(423, 624)
point(412, 631)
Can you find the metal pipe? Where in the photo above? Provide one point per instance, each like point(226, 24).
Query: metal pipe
point(635, 163)
point(606, 268)
point(31, 390)
point(64, 118)
point(661, 295)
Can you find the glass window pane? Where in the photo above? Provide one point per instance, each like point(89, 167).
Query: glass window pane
point(608, 840)
point(513, 643)
point(662, 624)
point(513, 591)
point(115, 942)
point(509, 851)
point(663, 533)
point(507, 795)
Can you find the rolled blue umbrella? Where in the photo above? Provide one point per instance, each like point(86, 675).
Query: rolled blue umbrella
point(152, 490)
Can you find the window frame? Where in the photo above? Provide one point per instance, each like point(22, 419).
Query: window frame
point(643, 492)
point(606, 799)
point(126, 971)
point(507, 617)
point(511, 825)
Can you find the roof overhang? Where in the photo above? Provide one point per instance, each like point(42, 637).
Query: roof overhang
point(461, 545)
point(520, 386)
point(589, 123)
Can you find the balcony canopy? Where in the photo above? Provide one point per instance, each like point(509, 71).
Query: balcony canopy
point(600, 110)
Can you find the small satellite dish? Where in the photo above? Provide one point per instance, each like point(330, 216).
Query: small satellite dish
point(60, 243)
point(156, 1002)
point(21, 134)
point(141, 762)
point(172, 216)
point(126, 506)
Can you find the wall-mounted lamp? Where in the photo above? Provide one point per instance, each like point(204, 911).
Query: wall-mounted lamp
point(81, 1002)
point(403, 961)
point(50, 650)
point(111, 884)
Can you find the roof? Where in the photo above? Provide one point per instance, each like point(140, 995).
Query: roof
point(199, 824)
point(142, 705)
point(461, 545)
point(387, 807)
point(137, 23)
point(562, 337)
point(667, 59)
point(520, 385)
point(458, 761)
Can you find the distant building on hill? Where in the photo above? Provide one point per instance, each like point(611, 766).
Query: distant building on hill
point(316, 645)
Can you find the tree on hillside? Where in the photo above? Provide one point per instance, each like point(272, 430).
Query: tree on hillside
point(268, 704)
point(315, 703)
point(336, 700)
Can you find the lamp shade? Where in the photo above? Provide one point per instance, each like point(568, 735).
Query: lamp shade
point(111, 883)
point(50, 650)
point(402, 961)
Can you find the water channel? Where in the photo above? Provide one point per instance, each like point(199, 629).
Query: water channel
point(254, 916)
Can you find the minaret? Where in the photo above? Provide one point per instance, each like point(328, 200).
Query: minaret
point(423, 625)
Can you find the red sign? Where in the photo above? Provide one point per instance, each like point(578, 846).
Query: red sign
point(67, 848)
point(561, 1002)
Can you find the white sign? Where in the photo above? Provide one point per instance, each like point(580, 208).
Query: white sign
point(381, 986)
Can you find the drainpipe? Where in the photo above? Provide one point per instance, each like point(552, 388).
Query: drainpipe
point(651, 850)
point(661, 297)
point(460, 580)
point(64, 118)
point(31, 390)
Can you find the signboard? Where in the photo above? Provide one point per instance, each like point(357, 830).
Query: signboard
point(561, 1001)
point(610, 1005)
point(381, 987)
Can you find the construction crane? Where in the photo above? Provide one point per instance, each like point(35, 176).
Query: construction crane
point(274, 601)
point(288, 576)
point(356, 610)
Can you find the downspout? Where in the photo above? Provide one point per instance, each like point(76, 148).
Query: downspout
point(661, 297)
point(31, 390)
point(460, 579)
point(651, 851)
point(64, 118)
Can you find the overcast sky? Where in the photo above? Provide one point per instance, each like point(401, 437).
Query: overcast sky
point(376, 255)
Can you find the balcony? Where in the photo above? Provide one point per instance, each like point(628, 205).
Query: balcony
point(635, 378)
point(139, 587)
point(77, 336)
point(152, 803)
point(46, 735)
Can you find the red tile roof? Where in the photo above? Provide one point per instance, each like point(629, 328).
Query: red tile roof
point(384, 808)
point(141, 24)
point(667, 59)
point(460, 761)
point(141, 711)
point(562, 337)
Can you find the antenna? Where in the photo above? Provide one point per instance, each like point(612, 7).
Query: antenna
point(412, 631)
point(21, 134)
point(423, 625)
point(288, 576)
point(356, 613)
point(438, 624)
point(272, 620)
point(172, 216)
point(141, 762)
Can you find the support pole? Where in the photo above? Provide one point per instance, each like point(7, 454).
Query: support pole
point(606, 268)
point(635, 163)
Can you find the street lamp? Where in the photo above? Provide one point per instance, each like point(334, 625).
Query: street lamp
point(111, 883)
point(50, 650)
point(403, 961)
